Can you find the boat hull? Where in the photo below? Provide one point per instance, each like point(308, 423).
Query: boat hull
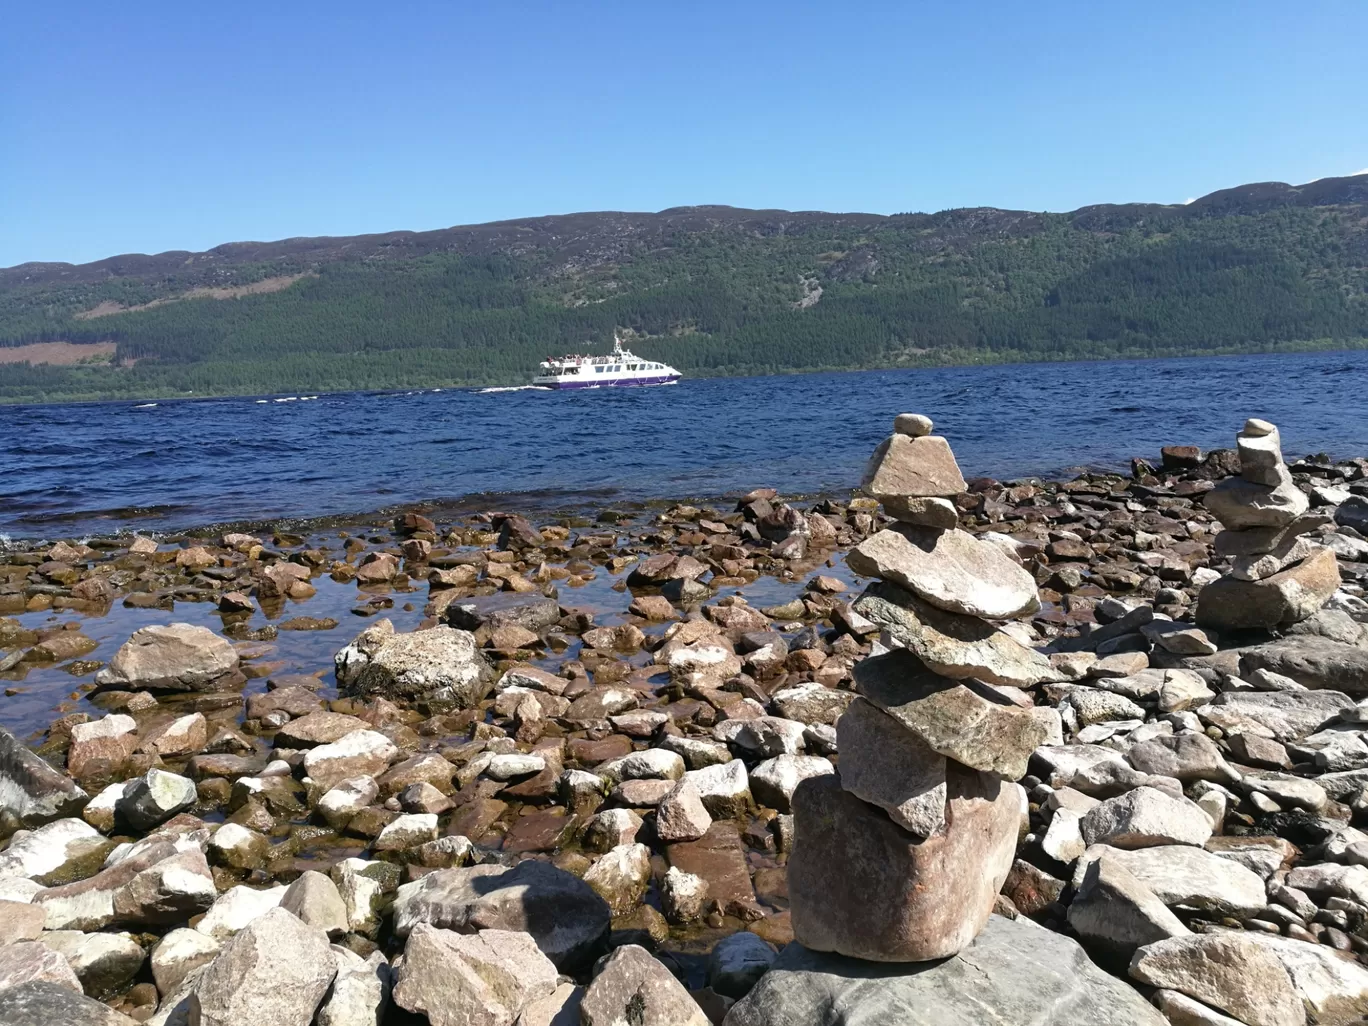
point(560, 385)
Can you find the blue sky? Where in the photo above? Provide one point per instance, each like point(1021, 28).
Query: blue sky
point(152, 126)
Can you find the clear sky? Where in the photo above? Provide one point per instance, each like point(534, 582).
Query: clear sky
point(148, 126)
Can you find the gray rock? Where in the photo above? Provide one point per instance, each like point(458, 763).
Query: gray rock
point(105, 963)
point(681, 815)
point(1332, 988)
point(32, 792)
point(950, 644)
point(28, 961)
point(965, 720)
point(620, 876)
point(178, 954)
point(273, 972)
point(176, 657)
point(1353, 513)
point(1182, 876)
point(360, 753)
point(1239, 504)
point(366, 889)
point(154, 798)
point(774, 780)
point(484, 979)
point(39, 1003)
point(1313, 662)
point(1284, 598)
point(887, 765)
point(534, 612)
point(315, 900)
point(1285, 715)
point(737, 962)
point(360, 992)
point(950, 569)
point(930, 905)
point(1228, 971)
point(723, 787)
point(1187, 757)
point(1012, 974)
point(158, 885)
point(55, 851)
point(561, 912)
point(439, 665)
point(630, 986)
point(1114, 913)
point(1144, 818)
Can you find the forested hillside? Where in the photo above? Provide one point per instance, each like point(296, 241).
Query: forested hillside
point(713, 290)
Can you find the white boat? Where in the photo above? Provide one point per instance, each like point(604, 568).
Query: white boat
point(619, 369)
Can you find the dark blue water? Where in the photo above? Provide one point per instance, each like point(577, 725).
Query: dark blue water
point(97, 467)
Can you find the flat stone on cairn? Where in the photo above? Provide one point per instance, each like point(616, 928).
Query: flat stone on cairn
point(901, 857)
point(1280, 574)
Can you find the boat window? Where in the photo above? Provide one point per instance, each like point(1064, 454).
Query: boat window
point(631, 366)
point(598, 370)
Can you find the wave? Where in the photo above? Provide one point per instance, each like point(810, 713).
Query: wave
point(145, 406)
point(515, 388)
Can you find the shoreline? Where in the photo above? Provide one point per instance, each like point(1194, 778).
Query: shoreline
point(962, 359)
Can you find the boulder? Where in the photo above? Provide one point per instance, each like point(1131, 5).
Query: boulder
point(1011, 974)
point(57, 851)
point(1283, 715)
point(178, 954)
point(483, 979)
point(360, 992)
point(630, 986)
point(176, 657)
point(105, 963)
point(950, 569)
point(562, 913)
point(439, 665)
point(1228, 971)
point(887, 765)
point(1114, 913)
point(154, 798)
point(533, 612)
point(620, 876)
point(774, 780)
point(1313, 662)
point(962, 720)
point(26, 961)
point(737, 962)
point(157, 885)
point(274, 972)
point(39, 1003)
point(1182, 876)
point(929, 906)
point(723, 787)
point(950, 644)
point(1144, 818)
point(360, 753)
point(681, 815)
point(1333, 988)
point(32, 792)
point(1284, 598)
point(314, 899)
point(237, 908)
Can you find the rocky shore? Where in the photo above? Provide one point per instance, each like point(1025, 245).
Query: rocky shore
point(954, 751)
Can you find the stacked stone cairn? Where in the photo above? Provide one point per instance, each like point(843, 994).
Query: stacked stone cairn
point(1280, 573)
point(901, 856)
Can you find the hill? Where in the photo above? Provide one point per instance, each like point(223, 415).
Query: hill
point(711, 289)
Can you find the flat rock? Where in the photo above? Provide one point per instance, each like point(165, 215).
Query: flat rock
point(950, 644)
point(844, 851)
point(1313, 662)
point(719, 858)
point(1239, 504)
point(1283, 715)
point(962, 720)
point(1011, 974)
point(560, 911)
point(175, 657)
point(951, 569)
point(534, 612)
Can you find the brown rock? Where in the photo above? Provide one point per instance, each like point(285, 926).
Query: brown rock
point(903, 467)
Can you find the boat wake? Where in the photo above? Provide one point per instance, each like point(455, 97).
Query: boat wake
point(515, 388)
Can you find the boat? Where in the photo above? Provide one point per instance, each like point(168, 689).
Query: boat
point(619, 369)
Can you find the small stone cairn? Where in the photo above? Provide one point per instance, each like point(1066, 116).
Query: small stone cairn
point(1279, 573)
point(900, 858)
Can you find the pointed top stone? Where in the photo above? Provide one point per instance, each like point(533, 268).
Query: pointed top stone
point(912, 424)
point(904, 468)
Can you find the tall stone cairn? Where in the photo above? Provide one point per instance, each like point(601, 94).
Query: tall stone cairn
point(901, 857)
point(1279, 572)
